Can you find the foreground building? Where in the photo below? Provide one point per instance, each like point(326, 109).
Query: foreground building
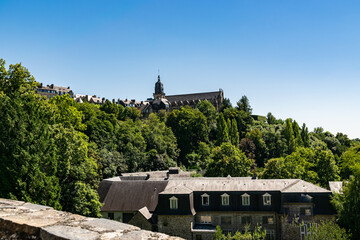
point(174, 203)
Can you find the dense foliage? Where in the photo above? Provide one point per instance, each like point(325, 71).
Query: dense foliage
point(55, 152)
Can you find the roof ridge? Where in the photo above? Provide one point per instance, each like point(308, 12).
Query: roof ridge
point(190, 94)
point(290, 185)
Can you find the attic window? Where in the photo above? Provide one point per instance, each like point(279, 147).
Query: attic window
point(205, 199)
point(267, 199)
point(173, 202)
point(225, 199)
point(245, 199)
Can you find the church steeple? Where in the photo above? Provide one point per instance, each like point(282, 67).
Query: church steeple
point(159, 89)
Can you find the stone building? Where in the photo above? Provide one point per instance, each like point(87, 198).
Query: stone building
point(50, 91)
point(174, 203)
point(170, 102)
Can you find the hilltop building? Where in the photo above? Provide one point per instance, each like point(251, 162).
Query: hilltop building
point(174, 203)
point(50, 91)
point(170, 102)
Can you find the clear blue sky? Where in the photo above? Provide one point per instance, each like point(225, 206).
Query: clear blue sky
point(298, 59)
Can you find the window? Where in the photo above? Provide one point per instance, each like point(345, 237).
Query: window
point(205, 199)
point(225, 220)
point(245, 220)
point(268, 220)
point(111, 216)
point(173, 203)
point(245, 199)
point(270, 234)
point(205, 219)
point(305, 211)
point(267, 199)
point(225, 199)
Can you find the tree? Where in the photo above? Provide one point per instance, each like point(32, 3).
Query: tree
point(112, 163)
point(222, 130)
point(275, 168)
point(260, 151)
point(161, 145)
point(244, 105)
point(257, 234)
point(233, 132)
point(110, 108)
point(327, 230)
point(288, 133)
point(349, 159)
point(248, 147)
point(190, 128)
point(305, 135)
point(225, 104)
point(210, 113)
point(271, 119)
point(228, 160)
point(348, 204)
point(44, 158)
point(297, 134)
point(326, 167)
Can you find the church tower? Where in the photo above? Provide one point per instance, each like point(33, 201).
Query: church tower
point(159, 89)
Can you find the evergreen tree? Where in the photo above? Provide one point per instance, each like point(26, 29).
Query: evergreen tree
point(222, 130)
point(234, 132)
point(288, 133)
point(305, 135)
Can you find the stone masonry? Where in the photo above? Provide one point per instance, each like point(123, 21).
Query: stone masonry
point(21, 220)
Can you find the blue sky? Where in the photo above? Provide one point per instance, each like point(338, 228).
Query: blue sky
point(298, 59)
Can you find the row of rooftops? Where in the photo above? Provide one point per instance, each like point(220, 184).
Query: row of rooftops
point(161, 103)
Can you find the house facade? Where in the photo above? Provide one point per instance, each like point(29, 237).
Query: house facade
point(192, 207)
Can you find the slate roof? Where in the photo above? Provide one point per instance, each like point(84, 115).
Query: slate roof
point(193, 96)
point(183, 186)
point(133, 195)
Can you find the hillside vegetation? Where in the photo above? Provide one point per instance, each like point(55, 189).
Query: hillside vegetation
point(55, 152)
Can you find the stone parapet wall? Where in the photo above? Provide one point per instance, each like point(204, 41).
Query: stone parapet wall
point(21, 220)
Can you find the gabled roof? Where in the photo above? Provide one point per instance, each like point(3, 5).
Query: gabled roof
point(133, 195)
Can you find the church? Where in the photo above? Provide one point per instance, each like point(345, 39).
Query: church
point(162, 101)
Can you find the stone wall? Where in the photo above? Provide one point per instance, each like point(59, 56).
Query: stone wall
point(20, 220)
point(179, 225)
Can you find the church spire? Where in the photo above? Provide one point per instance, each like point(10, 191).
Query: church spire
point(159, 89)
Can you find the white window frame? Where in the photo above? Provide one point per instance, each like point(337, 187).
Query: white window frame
point(225, 199)
point(205, 219)
point(267, 199)
point(245, 199)
point(173, 202)
point(205, 196)
point(308, 211)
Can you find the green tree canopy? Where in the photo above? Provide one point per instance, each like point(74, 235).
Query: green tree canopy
point(228, 160)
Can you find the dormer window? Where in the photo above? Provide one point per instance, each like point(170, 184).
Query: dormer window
point(173, 202)
point(245, 199)
point(225, 199)
point(267, 199)
point(205, 199)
